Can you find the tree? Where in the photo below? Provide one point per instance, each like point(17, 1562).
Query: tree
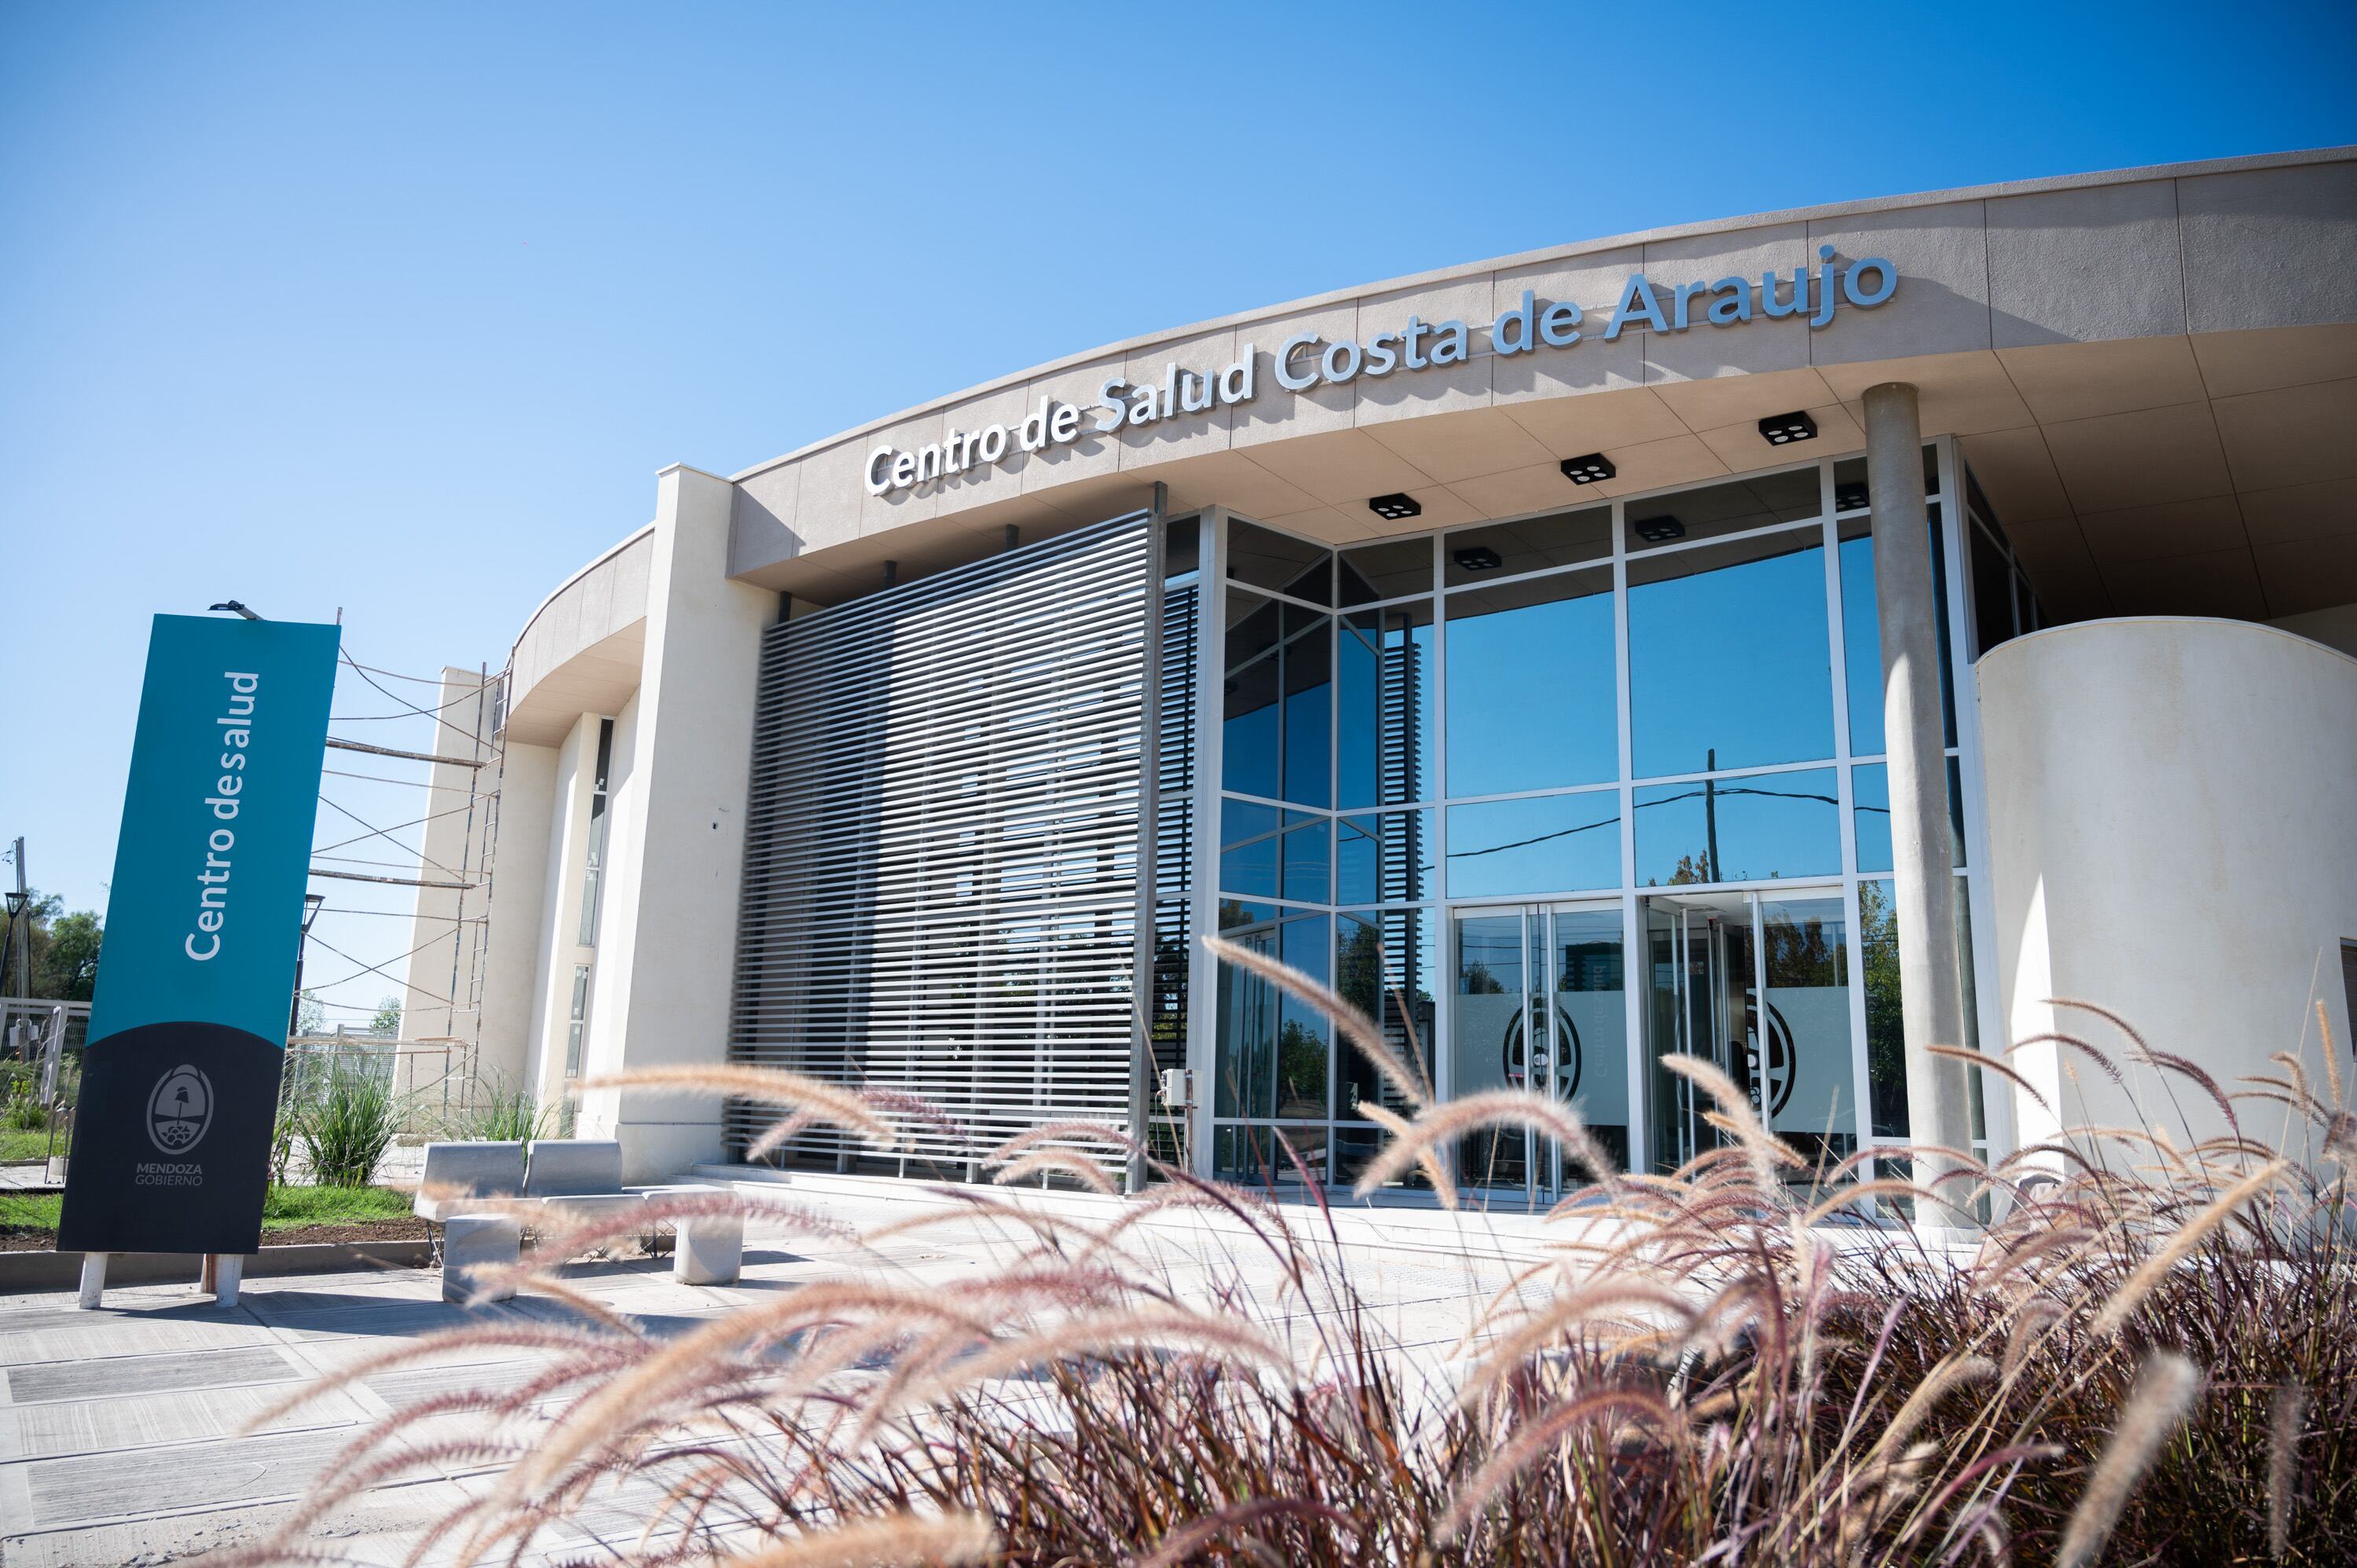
point(388, 1017)
point(310, 1015)
point(52, 953)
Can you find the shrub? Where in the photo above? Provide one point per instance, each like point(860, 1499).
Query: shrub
point(492, 1111)
point(346, 1127)
point(2153, 1355)
point(23, 1112)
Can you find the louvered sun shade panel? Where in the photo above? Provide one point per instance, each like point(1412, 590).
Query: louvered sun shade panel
point(940, 889)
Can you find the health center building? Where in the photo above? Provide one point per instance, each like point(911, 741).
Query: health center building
point(1800, 640)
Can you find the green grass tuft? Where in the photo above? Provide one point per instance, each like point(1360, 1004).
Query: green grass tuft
point(286, 1207)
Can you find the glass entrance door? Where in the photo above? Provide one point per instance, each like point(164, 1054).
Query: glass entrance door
point(1539, 1002)
point(1710, 961)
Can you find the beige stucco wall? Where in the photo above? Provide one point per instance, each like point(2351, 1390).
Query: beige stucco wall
point(2171, 837)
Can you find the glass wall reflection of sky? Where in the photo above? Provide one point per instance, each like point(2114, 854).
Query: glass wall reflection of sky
point(1733, 662)
point(1530, 703)
point(1738, 830)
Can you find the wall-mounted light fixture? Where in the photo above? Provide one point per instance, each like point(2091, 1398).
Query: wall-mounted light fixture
point(1589, 469)
point(1392, 507)
point(1783, 429)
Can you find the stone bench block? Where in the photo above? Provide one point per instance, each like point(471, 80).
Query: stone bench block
point(473, 1243)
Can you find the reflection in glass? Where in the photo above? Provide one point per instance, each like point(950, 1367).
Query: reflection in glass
point(1759, 501)
point(1590, 1029)
point(1861, 639)
point(1485, 1011)
point(1869, 804)
point(1385, 859)
point(1730, 662)
point(1559, 538)
point(1384, 965)
point(1384, 705)
point(1541, 844)
point(1266, 559)
point(1278, 704)
point(1735, 830)
point(1248, 849)
point(1992, 593)
point(1272, 1050)
point(1249, 1156)
point(1885, 1034)
point(1531, 685)
point(1389, 570)
point(1807, 1082)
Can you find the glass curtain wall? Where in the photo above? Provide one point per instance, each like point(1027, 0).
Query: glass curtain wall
point(1495, 782)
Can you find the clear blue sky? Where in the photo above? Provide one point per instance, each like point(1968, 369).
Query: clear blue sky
point(400, 308)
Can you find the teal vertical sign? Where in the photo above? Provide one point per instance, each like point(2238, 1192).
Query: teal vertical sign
point(171, 1150)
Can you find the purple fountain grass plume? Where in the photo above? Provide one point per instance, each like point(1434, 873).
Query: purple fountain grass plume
point(1046, 1131)
point(769, 1086)
point(2287, 1418)
point(907, 1540)
point(2331, 1054)
point(1445, 1123)
point(1851, 1196)
point(1427, 1158)
point(2157, 1407)
point(1113, 1333)
point(2083, 1047)
point(1735, 1108)
point(1542, 1433)
point(1545, 1326)
point(1355, 1026)
point(1181, 1544)
point(1998, 1066)
point(2124, 1301)
point(1070, 1162)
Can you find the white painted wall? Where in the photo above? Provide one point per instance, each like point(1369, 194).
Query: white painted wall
point(440, 1016)
point(676, 837)
point(515, 904)
point(2172, 809)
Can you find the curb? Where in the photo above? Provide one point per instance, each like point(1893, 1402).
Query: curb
point(22, 1272)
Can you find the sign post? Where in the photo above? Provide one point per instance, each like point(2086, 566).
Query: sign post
point(171, 1144)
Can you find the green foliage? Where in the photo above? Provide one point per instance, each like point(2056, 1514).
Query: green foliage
point(509, 1116)
point(345, 1129)
point(285, 1207)
point(23, 1112)
point(387, 1020)
point(310, 1016)
point(63, 948)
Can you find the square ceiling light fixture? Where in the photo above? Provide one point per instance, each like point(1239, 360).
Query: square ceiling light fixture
point(1659, 529)
point(1393, 508)
point(1588, 470)
point(1850, 496)
point(1783, 429)
point(1479, 558)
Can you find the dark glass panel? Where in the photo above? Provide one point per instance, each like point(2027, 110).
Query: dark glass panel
point(1558, 538)
point(1266, 559)
point(1384, 859)
point(1861, 639)
point(1389, 570)
point(1716, 509)
point(1992, 593)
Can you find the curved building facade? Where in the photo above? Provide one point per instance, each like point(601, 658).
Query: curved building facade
point(1572, 659)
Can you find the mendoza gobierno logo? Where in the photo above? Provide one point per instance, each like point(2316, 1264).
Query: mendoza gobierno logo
point(180, 1109)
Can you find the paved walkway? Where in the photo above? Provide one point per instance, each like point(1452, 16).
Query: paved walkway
point(119, 1428)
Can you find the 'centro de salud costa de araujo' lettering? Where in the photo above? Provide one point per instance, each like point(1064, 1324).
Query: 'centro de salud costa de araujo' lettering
point(1306, 360)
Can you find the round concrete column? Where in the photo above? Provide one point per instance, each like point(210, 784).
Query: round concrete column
point(1939, 1096)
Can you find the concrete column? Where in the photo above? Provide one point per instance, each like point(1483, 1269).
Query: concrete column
point(1939, 1096)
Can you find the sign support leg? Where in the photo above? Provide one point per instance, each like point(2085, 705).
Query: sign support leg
point(93, 1280)
point(227, 1269)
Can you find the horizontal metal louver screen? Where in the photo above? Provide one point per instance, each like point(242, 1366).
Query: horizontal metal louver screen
point(940, 891)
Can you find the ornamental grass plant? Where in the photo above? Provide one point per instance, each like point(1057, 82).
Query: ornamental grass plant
point(2149, 1356)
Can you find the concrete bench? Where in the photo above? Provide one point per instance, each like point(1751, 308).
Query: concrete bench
point(472, 1246)
point(579, 1181)
point(457, 1176)
point(707, 1249)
